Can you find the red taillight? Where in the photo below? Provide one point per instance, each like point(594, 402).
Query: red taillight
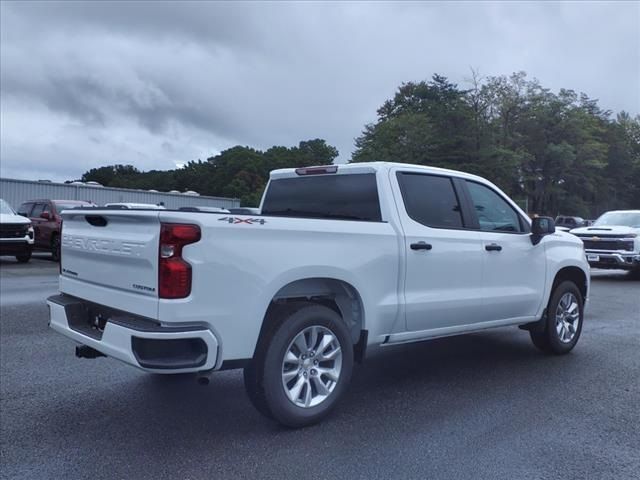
point(174, 273)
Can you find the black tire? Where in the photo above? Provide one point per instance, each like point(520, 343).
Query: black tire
point(252, 381)
point(549, 340)
point(263, 378)
point(255, 390)
point(55, 247)
point(24, 257)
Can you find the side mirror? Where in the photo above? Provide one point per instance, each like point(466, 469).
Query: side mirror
point(541, 226)
point(45, 215)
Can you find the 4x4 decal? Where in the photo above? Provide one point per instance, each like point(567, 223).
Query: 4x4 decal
point(249, 221)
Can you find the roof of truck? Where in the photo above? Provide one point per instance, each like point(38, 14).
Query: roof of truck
point(370, 167)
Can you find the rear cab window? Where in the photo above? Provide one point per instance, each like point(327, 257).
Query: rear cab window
point(349, 196)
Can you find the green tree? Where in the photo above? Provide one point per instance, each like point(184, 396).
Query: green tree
point(559, 151)
point(238, 172)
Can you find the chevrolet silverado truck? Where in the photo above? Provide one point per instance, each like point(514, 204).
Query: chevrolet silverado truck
point(341, 261)
point(613, 241)
point(16, 234)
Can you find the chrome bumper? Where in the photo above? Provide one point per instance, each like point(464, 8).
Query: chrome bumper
point(624, 260)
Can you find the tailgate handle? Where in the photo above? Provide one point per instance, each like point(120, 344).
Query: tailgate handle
point(96, 220)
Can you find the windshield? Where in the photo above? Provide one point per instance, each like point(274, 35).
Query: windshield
point(627, 219)
point(5, 208)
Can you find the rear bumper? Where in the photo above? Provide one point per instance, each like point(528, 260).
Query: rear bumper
point(614, 260)
point(142, 343)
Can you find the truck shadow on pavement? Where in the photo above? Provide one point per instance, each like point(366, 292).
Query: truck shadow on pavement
point(426, 382)
point(614, 276)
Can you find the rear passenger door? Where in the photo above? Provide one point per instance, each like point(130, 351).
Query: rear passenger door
point(443, 274)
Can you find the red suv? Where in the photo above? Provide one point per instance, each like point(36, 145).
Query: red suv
point(45, 218)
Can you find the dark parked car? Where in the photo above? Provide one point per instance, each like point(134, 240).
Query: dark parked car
point(569, 222)
point(45, 218)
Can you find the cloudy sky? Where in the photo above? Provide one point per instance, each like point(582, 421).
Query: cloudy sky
point(157, 84)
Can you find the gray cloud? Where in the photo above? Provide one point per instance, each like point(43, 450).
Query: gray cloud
point(90, 83)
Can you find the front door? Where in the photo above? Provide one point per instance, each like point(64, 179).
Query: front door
point(514, 269)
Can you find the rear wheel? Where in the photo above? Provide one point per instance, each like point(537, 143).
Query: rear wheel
point(303, 367)
point(565, 314)
point(55, 248)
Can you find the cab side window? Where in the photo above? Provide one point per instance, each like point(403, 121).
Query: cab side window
point(430, 200)
point(493, 212)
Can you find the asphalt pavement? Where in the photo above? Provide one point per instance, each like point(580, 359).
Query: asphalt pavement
point(479, 406)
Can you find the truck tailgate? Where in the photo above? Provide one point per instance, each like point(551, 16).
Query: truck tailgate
point(110, 257)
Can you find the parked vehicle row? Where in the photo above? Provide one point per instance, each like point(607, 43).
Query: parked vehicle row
point(41, 222)
point(339, 262)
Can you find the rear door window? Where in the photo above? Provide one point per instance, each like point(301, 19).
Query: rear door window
point(430, 200)
point(335, 196)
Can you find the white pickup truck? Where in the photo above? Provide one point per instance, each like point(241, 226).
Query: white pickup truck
point(341, 261)
point(613, 241)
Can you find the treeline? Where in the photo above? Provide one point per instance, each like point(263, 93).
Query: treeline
point(239, 172)
point(552, 152)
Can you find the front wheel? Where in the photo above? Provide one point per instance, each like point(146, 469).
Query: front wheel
point(565, 314)
point(24, 257)
point(303, 367)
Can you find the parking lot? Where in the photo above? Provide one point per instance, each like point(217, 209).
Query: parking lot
point(480, 406)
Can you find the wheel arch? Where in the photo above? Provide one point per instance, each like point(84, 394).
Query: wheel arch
point(337, 294)
point(572, 273)
point(575, 275)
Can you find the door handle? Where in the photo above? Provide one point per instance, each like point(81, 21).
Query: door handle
point(494, 247)
point(421, 246)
